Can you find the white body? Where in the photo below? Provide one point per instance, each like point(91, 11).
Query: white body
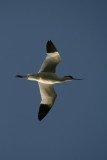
point(47, 78)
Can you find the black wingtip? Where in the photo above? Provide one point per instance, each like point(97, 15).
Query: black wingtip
point(50, 47)
point(43, 110)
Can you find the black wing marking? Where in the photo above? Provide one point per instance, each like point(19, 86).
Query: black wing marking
point(43, 110)
point(50, 47)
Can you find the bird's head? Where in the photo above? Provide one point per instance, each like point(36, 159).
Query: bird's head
point(72, 78)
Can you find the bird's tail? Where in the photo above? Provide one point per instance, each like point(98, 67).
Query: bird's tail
point(20, 76)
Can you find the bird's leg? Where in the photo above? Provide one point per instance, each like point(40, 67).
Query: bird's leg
point(20, 76)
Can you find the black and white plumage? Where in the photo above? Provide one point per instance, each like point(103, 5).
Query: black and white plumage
point(48, 96)
point(52, 59)
point(47, 91)
point(46, 78)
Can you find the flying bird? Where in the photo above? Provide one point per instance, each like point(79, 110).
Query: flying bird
point(46, 78)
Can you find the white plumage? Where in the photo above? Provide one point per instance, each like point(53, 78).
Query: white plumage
point(46, 78)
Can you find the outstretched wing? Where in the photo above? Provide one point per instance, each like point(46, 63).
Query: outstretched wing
point(48, 96)
point(52, 59)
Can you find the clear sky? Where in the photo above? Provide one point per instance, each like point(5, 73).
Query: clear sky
point(76, 127)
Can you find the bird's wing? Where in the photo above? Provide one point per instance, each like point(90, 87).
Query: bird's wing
point(48, 96)
point(52, 59)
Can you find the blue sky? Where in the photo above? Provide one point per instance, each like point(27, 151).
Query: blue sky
point(76, 127)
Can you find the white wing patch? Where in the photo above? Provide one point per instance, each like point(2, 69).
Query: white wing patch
point(50, 63)
point(48, 94)
point(52, 59)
